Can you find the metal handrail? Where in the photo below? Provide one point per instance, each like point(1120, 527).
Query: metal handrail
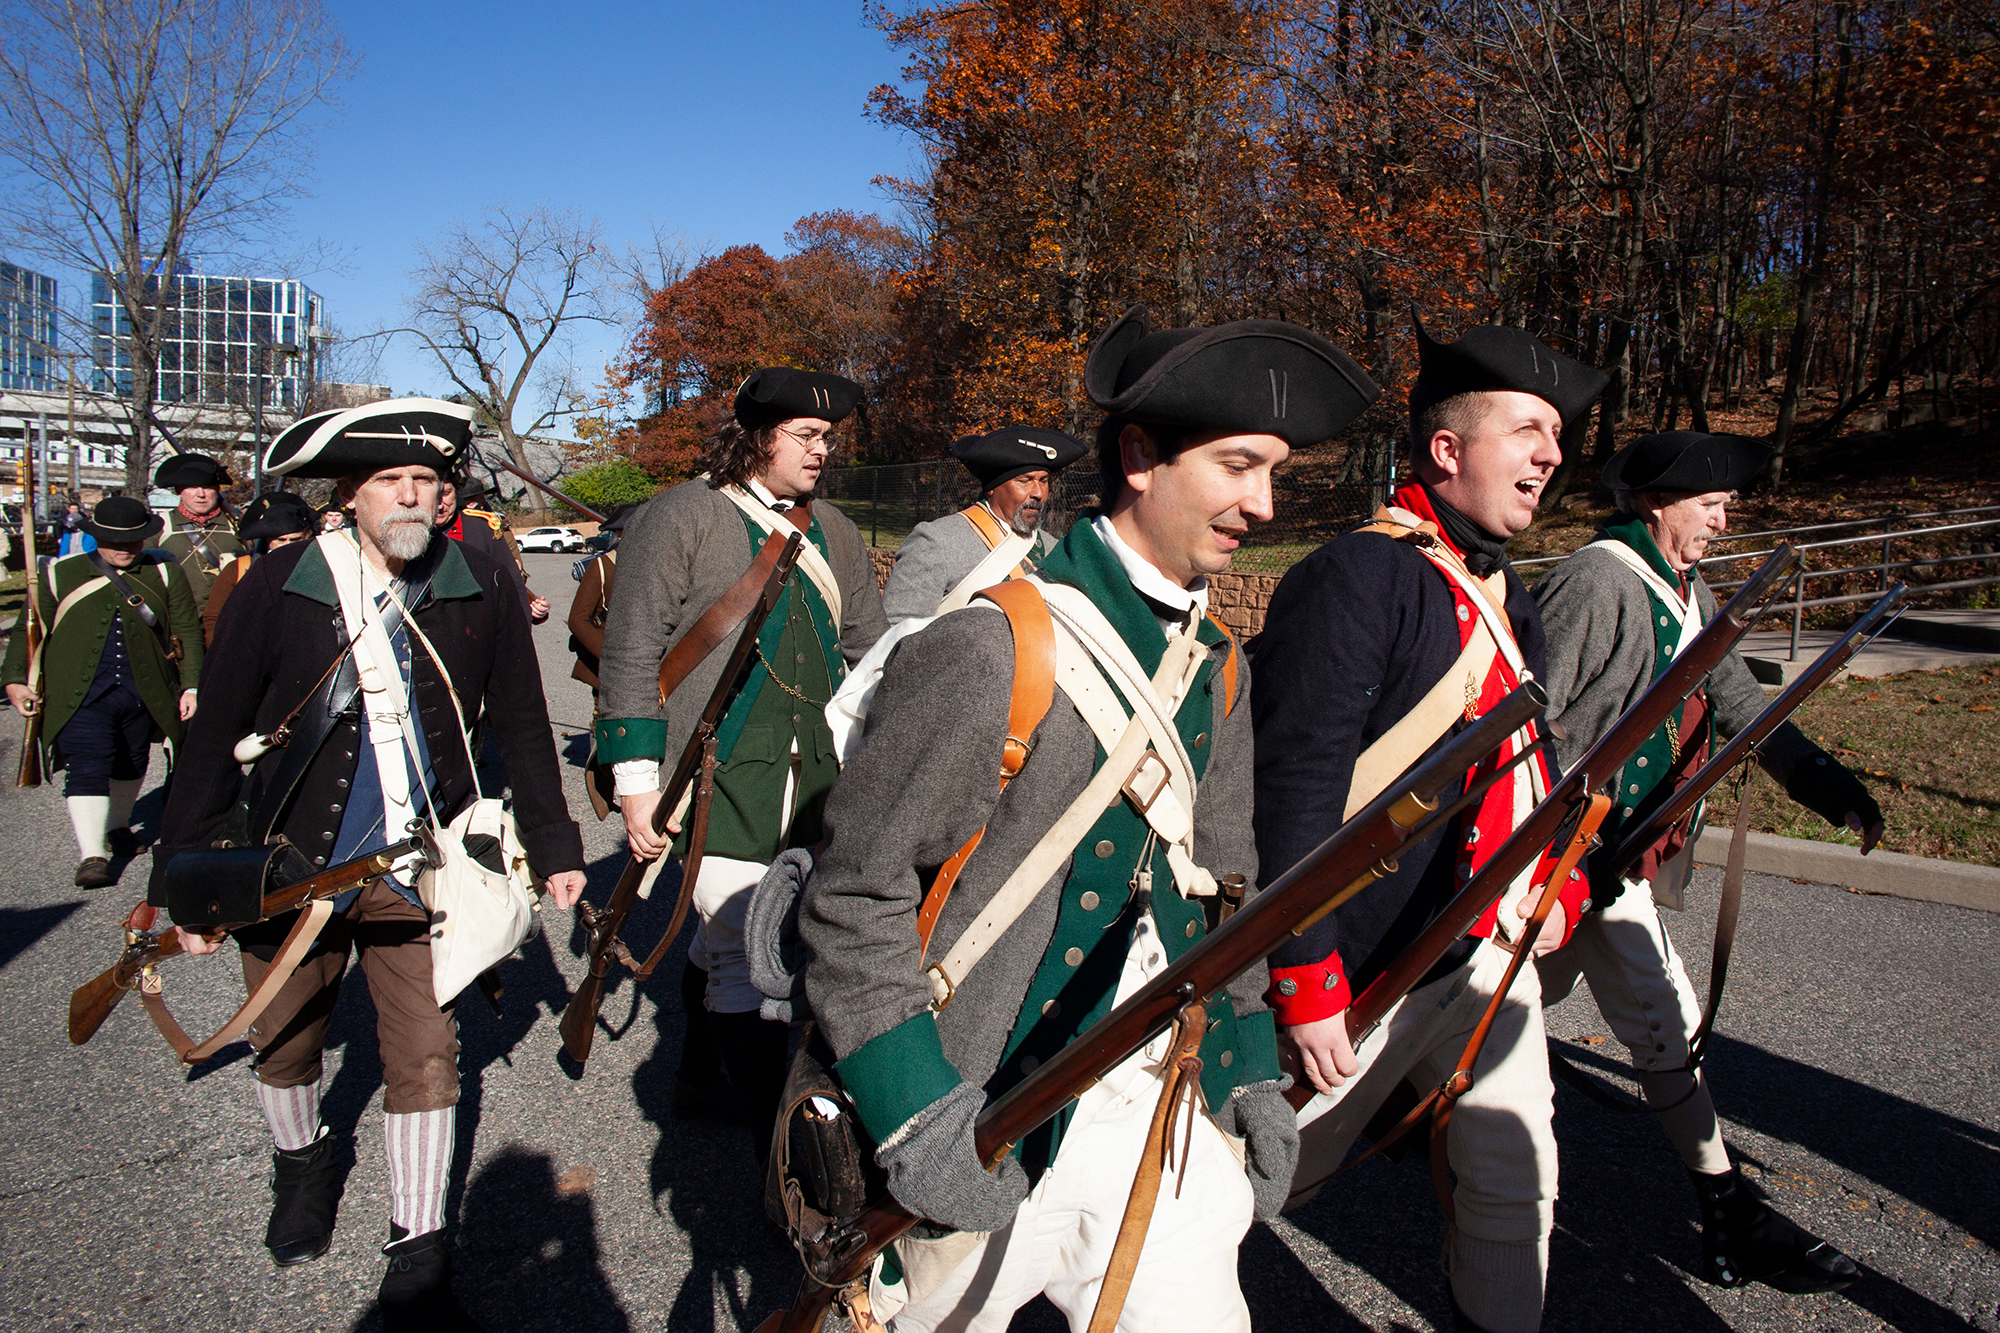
point(1762, 533)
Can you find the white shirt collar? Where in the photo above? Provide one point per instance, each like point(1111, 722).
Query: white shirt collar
point(1147, 578)
point(770, 501)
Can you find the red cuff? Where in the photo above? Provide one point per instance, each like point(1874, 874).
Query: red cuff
point(1575, 898)
point(1308, 993)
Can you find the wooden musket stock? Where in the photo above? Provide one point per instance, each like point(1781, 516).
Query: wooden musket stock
point(1359, 852)
point(1557, 815)
point(774, 562)
point(1775, 714)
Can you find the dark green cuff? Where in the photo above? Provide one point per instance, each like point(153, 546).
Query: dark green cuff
point(620, 738)
point(897, 1075)
point(1256, 1049)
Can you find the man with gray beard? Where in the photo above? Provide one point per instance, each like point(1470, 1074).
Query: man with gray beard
point(294, 645)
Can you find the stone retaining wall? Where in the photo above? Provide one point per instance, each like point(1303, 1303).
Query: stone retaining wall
point(1238, 600)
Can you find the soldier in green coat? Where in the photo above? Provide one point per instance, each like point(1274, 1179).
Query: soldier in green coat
point(199, 533)
point(117, 670)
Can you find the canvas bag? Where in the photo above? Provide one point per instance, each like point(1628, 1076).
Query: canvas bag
point(479, 890)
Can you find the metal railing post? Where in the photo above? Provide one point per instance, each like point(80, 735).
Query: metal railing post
point(1888, 535)
point(1798, 606)
point(874, 512)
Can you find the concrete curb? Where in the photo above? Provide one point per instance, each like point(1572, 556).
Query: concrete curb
point(1895, 873)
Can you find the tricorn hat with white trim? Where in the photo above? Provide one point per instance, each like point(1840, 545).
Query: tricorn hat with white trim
point(396, 432)
point(1001, 455)
point(1251, 377)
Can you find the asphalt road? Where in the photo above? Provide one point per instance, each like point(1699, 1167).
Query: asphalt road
point(1856, 1068)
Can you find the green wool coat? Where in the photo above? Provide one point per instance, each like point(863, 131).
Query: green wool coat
point(73, 648)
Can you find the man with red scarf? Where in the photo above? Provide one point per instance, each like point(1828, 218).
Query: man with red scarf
point(199, 532)
point(1358, 636)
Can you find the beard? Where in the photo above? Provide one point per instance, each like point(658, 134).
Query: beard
point(1027, 520)
point(404, 534)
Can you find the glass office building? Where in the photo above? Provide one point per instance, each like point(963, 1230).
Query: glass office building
point(27, 330)
point(216, 335)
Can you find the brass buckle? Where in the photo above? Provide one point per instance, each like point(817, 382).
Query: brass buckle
point(1149, 779)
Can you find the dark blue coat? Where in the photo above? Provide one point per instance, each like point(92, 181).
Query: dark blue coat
point(1356, 635)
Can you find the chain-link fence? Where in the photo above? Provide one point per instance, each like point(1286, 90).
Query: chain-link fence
point(1318, 496)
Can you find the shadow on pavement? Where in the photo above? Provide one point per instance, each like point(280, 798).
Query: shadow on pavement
point(21, 927)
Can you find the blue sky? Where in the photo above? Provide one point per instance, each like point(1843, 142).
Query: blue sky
point(728, 121)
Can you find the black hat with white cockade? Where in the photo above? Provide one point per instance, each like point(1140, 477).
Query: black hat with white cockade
point(1500, 358)
point(780, 393)
point(184, 470)
point(396, 432)
point(999, 456)
point(1688, 462)
point(1251, 377)
point(278, 514)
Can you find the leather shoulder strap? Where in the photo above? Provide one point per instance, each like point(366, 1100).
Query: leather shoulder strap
point(983, 522)
point(1228, 667)
point(719, 621)
point(1034, 689)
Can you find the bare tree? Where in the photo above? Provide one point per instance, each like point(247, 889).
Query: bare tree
point(496, 303)
point(139, 132)
point(649, 267)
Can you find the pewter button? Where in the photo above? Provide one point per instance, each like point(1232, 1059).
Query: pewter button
point(1074, 957)
point(1105, 848)
point(327, 836)
point(1642, 761)
point(1088, 902)
point(1330, 982)
point(1199, 741)
point(1288, 987)
point(1189, 932)
point(1228, 1059)
point(1051, 1009)
point(1634, 789)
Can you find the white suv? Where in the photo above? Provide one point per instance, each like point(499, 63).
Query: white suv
point(552, 539)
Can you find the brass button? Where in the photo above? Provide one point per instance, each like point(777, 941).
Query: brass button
point(1189, 932)
point(1051, 1009)
point(621, 731)
point(1074, 957)
point(1088, 902)
point(1199, 741)
point(1228, 1059)
point(1105, 849)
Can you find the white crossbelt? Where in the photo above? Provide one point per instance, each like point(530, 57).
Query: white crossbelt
point(1687, 614)
point(810, 560)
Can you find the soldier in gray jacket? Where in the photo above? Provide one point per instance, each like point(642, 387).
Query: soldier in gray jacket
point(1186, 455)
point(682, 550)
point(1015, 466)
point(1617, 613)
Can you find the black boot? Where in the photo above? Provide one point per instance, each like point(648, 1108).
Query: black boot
point(1461, 1322)
point(698, 1086)
point(306, 1186)
point(755, 1050)
point(415, 1295)
point(1745, 1240)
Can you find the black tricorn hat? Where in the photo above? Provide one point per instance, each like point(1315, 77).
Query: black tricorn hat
point(1686, 461)
point(184, 470)
point(1488, 357)
point(396, 432)
point(1002, 455)
point(1252, 376)
point(615, 520)
point(120, 518)
point(470, 487)
point(780, 393)
point(278, 514)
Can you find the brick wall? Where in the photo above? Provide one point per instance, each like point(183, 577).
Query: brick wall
point(1238, 600)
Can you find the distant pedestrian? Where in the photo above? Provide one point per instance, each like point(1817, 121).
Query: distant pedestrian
point(198, 532)
point(117, 671)
point(270, 522)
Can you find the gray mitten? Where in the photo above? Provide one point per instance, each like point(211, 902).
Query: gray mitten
point(934, 1172)
point(1258, 1114)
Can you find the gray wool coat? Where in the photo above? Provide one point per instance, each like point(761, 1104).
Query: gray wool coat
point(931, 561)
point(924, 779)
point(1599, 620)
point(680, 552)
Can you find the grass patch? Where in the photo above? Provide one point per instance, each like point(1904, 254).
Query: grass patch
point(1924, 744)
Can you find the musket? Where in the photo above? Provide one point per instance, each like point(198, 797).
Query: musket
point(1559, 815)
point(1745, 742)
point(552, 492)
point(747, 604)
point(92, 1002)
point(29, 773)
point(1357, 854)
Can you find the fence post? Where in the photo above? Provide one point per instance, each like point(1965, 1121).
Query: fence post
point(1888, 526)
point(874, 514)
point(1798, 606)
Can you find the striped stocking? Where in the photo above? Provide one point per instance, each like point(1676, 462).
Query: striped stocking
point(420, 1146)
point(292, 1114)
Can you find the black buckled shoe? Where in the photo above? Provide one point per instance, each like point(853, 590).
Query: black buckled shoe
point(124, 843)
point(94, 872)
point(1745, 1240)
point(306, 1189)
point(416, 1295)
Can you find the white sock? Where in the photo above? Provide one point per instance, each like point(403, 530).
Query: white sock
point(87, 815)
point(1499, 1283)
point(1692, 1125)
point(420, 1145)
point(124, 795)
point(292, 1114)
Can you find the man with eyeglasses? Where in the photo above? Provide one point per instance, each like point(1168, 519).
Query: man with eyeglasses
point(682, 551)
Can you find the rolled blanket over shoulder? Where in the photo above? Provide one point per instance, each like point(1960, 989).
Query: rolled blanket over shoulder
point(771, 936)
